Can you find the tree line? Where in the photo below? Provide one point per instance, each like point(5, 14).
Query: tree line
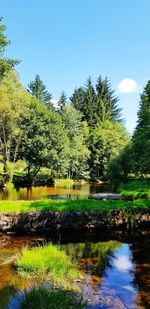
point(84, 137)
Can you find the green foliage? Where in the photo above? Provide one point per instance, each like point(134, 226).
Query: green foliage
point(44, 298)
point(45, 140)
point(135, 189)
point(78, 133)
point(5, 63)
point(2, 181)
point(14, 103)
point(141, 137)
point(118, 168)
point(48, 262)
point(106, 142)
point(38, 90)
point(73, 205)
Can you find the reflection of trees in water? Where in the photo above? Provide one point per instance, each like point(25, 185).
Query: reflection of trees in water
point(141, 257)
point(92, 256)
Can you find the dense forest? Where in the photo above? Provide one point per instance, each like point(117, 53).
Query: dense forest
point(83, 137)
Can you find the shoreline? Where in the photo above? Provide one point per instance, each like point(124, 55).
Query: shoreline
point(37, 222)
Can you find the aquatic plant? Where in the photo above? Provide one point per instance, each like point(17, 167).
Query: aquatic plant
point(48, 262)
point(43, 298)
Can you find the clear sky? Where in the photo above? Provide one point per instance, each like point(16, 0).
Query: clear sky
point(65, 41)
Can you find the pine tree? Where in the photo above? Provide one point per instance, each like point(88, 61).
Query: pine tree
point(77, 99)
point(141, 136)
point(89, 103)
point(62, 101)
point(106, 103)
point(97, 104)
point(5, 63)
point(83, 99)
point(38, 89)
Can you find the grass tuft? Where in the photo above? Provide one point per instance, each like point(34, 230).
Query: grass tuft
point(43, 298)
point(48, 262)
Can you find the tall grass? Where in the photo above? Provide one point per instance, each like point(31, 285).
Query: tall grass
point(43, 298)
point(48, 262)
point(135, 189)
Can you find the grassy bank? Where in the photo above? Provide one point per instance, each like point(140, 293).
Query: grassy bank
point(135, 189)
point(72, 205)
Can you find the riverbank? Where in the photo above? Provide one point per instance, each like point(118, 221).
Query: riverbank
point(135, 189)
point(51, 215)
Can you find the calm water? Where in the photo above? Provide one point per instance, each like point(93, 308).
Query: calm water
point(75, 191)
point(116, 273)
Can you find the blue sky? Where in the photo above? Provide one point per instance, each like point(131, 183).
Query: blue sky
point(65, 41)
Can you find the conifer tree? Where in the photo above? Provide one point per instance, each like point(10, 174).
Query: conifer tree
point(141, 136)
point(38, 90)
point(106, 102)
point(62, 101)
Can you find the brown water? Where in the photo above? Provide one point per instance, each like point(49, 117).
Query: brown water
point(116, 271)
point(75, 191)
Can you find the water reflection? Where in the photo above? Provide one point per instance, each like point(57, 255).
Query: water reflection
point(75, 191)
point(115, 274)
point(109, 273)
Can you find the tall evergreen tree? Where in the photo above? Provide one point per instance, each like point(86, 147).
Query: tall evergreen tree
point(141, 137)
point(38, 90)
point(89, 103)
point(83, 99)
point(5, 63)
point(77, 99)
point(106, 102)
point(62, 101)
point(97, 105)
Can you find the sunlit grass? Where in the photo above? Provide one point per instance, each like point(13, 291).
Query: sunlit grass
point(72, 205)
point(48, 262)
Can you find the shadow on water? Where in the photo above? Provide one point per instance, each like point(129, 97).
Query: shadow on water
point(115, 269)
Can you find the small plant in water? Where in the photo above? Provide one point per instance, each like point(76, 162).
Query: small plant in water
point(48, 262)
point(46, 297)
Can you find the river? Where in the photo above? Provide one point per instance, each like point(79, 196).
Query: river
point(115, 269)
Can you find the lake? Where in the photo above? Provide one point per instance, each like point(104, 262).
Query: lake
point(116, 269)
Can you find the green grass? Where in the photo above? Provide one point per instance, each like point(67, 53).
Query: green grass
point(48, 262)
point(43, 298)
point(72, 205)
point(135, 189)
